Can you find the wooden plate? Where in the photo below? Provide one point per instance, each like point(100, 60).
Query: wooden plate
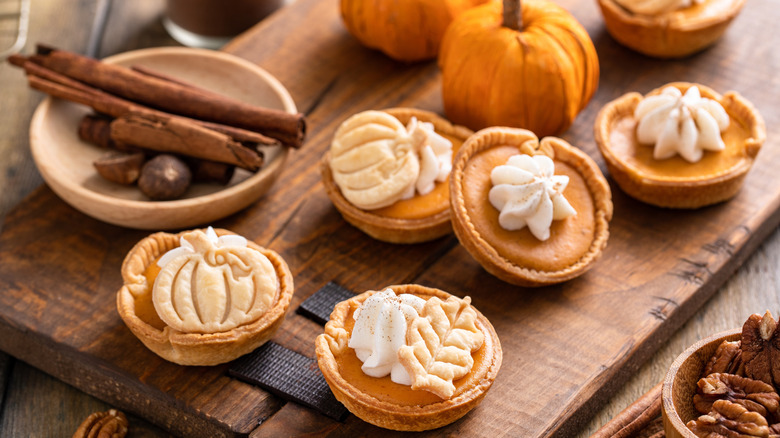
point(65, 162)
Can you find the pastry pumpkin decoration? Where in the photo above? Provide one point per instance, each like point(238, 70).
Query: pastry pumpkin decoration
point(529, 66)
point(405, 30)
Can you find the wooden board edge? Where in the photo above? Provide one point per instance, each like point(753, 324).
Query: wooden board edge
point(101, 381)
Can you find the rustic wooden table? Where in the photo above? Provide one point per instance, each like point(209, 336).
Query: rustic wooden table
point(35, 404)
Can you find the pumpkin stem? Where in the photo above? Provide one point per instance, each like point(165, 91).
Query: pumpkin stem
point(513, 16)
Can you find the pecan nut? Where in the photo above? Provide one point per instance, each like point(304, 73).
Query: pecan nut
point(727, 359)
point(729, 420)
point(109, 424)
point(753, 395)
point(761, 349)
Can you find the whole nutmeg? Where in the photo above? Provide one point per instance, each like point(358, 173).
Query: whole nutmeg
point(164, 177)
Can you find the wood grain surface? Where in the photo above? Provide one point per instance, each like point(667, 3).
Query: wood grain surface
point(568, 349)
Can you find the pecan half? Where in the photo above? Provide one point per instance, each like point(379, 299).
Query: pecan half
point(753, 395)
point(761, 349)
point(109, 424)
point(727, 359)
point(729, 420)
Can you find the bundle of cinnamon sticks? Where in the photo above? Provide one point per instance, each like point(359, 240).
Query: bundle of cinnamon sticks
point(151, 112)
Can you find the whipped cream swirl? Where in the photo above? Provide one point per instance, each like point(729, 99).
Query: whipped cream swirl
point(380, 331)
point(656, 7)
point(435, 153)
point(185, 247)
point(528, 193)
point(681, 124)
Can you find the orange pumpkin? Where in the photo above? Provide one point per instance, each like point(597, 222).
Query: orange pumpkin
point(535, 68)
point(405, 30)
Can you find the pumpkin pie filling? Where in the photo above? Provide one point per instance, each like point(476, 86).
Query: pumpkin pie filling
point(144, 307)
point(569, 238)
point(624, 144)
point(384, 389)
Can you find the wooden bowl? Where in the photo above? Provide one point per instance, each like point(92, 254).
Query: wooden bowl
point(65, 161)
point(680, 383)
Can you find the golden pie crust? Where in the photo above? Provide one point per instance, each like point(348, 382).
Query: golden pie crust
point(383, 403)
point(673, 34)
point(517, 257)
point(383, 224)
point(674, 182)
point(135, 307)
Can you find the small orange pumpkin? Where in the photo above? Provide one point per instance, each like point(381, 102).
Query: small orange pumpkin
point(529, 66)
point(405, 30)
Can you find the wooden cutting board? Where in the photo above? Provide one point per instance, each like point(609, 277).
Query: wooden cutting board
point(566, 348)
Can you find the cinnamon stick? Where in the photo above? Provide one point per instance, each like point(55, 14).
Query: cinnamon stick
point(60, 86)
point(175, 135)
point(155, 74)
point(96, 130)
point(635, 417)
point(173, 97)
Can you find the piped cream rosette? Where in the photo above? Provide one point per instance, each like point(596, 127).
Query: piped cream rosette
point(528, 193)
point(385, 167)
point(685, 124)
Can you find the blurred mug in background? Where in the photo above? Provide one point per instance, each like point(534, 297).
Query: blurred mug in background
point(211, 24)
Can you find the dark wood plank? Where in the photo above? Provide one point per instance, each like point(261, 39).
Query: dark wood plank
point(582, 339)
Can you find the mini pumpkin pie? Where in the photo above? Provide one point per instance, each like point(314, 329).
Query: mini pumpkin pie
point(681, 146)
point(408, 357)
point(203, 297)
point(668, 28)
point(531, 212)
point(386, 173)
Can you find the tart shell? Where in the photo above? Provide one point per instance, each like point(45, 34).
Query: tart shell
point(394, 416)
point(667, 35)
point(194, 348)
point(387, 229)
point(483, 252)
point(671, 191)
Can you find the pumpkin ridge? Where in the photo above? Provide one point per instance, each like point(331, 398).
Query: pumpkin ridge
point(193, 288)
point(254, 297)
point(563, 83)
point(228, 294)
point(496, 93)
point(173, 295)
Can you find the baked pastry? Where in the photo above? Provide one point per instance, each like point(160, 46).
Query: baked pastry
point(658, 173)
point(203, 297)
point(386, 173)
point(409, 357)
point(668, 28)
point(511, 200)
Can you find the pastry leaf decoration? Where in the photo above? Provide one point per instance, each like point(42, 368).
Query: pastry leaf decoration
point(439, 345)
